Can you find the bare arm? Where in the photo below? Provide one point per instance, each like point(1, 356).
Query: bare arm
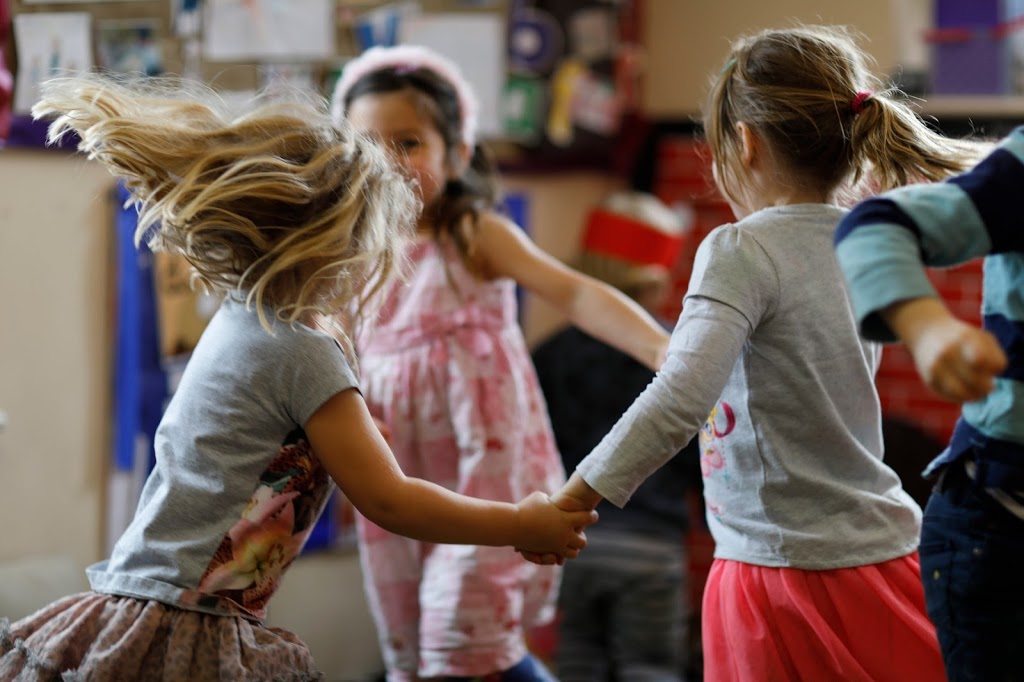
point(349, 444)
point(600, 310)
point(956, 360)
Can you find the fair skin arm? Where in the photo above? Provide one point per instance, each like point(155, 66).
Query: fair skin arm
point(955, 359)
point(600, 310)
point(352, 449)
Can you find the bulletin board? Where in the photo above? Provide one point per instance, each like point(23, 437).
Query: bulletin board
point(173, 37)
point(557, 79)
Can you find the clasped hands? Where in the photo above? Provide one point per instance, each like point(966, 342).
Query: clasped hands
point(576, 496)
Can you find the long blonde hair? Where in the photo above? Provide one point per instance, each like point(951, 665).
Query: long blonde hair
point(280, 205)
point(809, 91)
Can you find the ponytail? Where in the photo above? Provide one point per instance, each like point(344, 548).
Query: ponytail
point(893, 146)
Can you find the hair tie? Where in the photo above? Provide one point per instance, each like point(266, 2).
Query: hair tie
point(859, 101)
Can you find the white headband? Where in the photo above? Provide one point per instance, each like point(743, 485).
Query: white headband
point(409, 58)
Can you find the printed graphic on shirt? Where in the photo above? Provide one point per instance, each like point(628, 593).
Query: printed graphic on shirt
point(248, 564)
point(720, 423)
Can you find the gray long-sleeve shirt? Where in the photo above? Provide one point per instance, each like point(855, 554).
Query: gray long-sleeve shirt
point(791, 453)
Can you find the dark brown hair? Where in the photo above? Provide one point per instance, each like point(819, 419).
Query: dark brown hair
point(456, 212)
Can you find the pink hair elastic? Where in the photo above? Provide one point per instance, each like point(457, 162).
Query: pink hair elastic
point(406, 58)
point(859, 100)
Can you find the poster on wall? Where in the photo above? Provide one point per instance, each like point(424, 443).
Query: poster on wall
point(254, 30)
point(130, 46)
point(48, 44)
point(479, 52)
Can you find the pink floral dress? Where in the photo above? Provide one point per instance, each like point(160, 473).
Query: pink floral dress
point(447, 368)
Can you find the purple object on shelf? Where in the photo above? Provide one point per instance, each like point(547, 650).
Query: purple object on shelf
point(25, 132)
point(968, 13)
point(976, 66)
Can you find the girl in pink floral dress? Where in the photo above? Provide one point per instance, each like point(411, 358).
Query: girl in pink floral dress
point(447, 373)
point(289, 216)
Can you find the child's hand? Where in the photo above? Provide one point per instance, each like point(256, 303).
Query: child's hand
point(550, 532)
point(576, 495)
point(956, 360)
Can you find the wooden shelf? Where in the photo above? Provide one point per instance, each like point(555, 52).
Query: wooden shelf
point(973, 106)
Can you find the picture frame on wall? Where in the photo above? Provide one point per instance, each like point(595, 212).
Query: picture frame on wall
point(49, 44)
point(129, 46)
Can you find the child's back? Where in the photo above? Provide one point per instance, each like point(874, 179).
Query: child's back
point(793, 455)
point(815, 572)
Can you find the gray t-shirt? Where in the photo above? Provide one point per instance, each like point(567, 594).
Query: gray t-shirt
point(236, 488)
point(791, 453)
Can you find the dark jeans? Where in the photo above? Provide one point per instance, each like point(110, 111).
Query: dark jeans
point(972, 566)
point(624, 609)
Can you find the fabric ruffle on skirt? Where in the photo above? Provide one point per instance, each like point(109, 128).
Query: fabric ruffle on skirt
point(859, 624)
point(92, 636)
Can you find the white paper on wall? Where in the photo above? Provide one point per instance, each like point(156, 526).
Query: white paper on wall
point(254, 30)
point(49, 44)
point(474, 41)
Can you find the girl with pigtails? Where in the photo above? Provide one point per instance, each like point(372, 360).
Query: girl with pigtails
point(448, 374)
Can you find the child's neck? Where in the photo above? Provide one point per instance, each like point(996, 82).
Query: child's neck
point(774, 192)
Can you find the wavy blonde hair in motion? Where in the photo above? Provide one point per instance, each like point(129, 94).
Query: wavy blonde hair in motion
point(281, 205)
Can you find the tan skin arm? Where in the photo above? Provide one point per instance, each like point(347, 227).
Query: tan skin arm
point(503, 250)
point(353, 451)
point(956, 360)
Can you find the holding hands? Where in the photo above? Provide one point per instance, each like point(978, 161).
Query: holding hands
point(575, 497)
point(550, 530)
point(955, 359)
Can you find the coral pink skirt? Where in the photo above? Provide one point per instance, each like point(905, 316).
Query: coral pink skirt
point(860, 624)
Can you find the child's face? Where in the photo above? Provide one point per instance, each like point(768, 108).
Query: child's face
point(397, 121)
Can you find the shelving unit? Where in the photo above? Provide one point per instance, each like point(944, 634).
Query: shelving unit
point(1002, 107)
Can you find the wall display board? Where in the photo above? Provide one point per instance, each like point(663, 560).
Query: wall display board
point(557, 79)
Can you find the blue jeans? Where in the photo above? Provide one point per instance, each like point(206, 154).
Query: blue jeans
point(972, 566)
point(527, 670)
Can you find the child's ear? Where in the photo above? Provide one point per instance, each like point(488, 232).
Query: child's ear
point(748, 144)
point(458, 160)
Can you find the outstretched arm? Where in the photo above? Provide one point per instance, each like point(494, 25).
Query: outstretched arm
point(595, 307)
point(884, 245)
point(956, 360)
point(707, 341)
point(349, 444)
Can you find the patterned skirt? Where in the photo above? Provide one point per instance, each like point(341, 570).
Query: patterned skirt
point(92, 636)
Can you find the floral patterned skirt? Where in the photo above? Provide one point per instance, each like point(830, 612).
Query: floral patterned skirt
point(92, 636)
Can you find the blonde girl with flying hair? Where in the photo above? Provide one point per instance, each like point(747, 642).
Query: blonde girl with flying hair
point(816, 573)
point(291, 217)
point(447, 371)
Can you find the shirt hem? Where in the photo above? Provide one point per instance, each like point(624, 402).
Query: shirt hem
point(820, 564)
